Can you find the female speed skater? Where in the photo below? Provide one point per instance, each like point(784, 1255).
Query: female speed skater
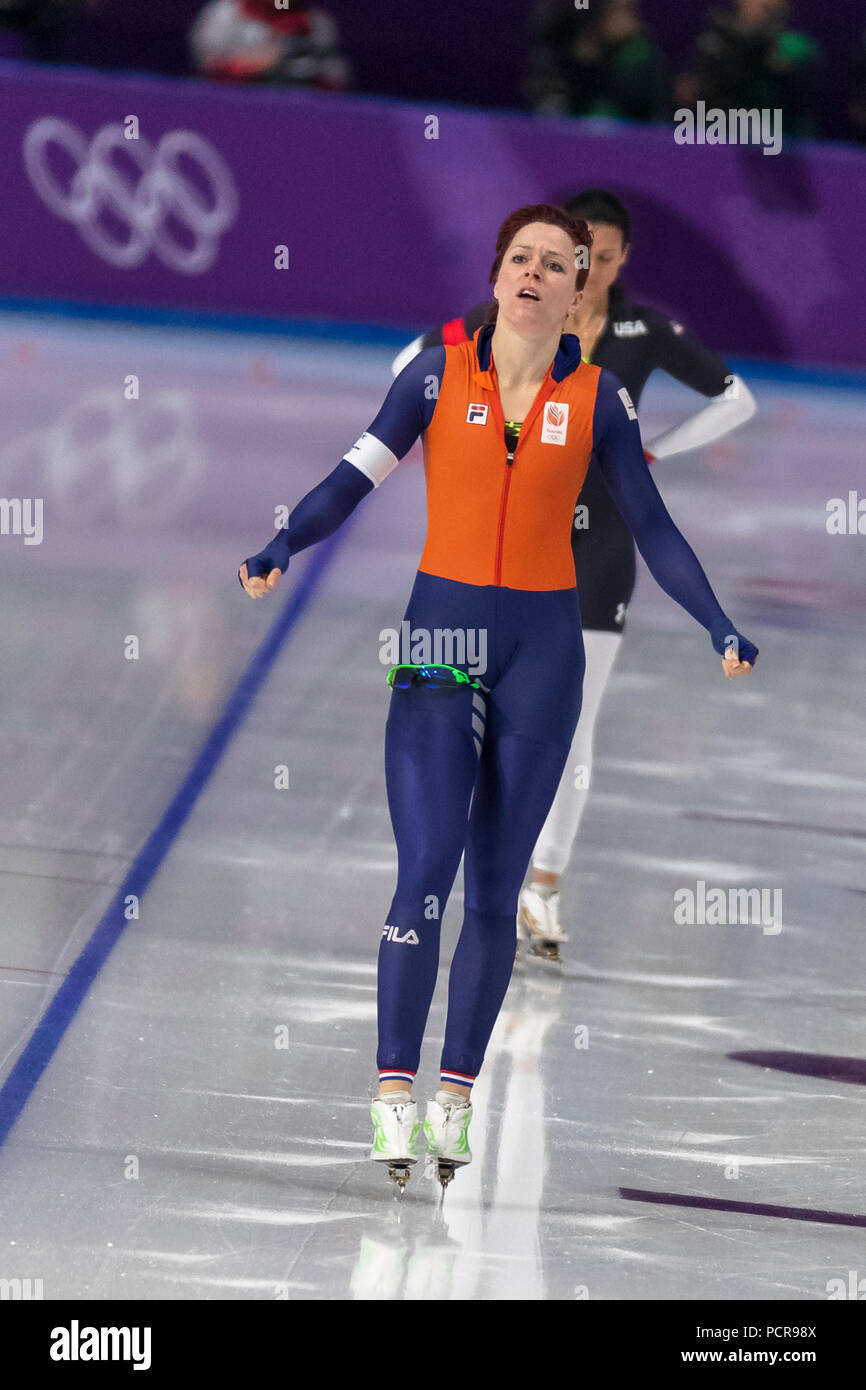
point(472, 764)
point(631, 340)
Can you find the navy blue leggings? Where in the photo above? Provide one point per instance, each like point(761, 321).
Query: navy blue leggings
point(471, 773)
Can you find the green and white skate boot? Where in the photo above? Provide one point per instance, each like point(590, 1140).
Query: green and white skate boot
point(446, 1129)
point(395, 1134)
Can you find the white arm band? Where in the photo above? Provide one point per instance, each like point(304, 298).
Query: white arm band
point(724, 413)
point(372, 458)
point(405, 357)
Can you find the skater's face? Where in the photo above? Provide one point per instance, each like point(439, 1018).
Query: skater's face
point(609, 255)
point(536, 283)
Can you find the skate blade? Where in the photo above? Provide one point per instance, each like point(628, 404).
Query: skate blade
point(445, 1171)
point(399, 1173)
point(545, 950)
point(536, 943)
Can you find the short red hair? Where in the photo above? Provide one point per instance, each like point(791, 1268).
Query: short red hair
point(574, 227)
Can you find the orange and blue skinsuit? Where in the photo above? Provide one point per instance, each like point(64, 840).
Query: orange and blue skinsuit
point(473, 772)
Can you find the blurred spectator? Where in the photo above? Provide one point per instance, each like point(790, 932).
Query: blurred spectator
point(747, 57)
point(857, 104)
point(599, 61)
point(31, 24)
point(253, 41)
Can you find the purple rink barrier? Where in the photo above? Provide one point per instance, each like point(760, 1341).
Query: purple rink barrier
point(760, 254)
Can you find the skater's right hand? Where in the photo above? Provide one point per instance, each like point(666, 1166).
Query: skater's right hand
point(261, 573)
point(733, 666)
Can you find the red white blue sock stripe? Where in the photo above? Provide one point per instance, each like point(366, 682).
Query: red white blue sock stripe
point(392, 1074)
point(458, 1078)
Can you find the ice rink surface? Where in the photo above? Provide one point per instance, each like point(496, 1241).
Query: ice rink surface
point(677, 1113)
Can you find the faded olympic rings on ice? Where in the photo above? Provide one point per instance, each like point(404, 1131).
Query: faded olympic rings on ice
point(105, 458)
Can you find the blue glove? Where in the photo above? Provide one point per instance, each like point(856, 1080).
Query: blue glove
point(274, 557)
point(725, 635)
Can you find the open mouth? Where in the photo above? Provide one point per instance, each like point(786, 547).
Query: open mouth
point(528, 294)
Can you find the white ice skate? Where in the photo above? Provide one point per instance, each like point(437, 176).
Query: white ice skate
point(395, 1134)
point(446, 1129)
point(538, 924)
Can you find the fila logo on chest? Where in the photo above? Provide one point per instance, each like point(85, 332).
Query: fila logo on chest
point(477, 415)
point(555, 425)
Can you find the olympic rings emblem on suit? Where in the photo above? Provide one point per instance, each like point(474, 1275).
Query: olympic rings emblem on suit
point(147, 206)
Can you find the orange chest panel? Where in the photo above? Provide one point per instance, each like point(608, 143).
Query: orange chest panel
point(494, 522)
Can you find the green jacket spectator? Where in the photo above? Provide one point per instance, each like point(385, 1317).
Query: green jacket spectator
point(748, 58)
point(596, 62)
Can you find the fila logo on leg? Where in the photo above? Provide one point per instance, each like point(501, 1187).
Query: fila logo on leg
point(555, 427)
point(409, 938)
point(477, 415)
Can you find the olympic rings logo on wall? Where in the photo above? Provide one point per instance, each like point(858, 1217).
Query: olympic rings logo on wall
point(146, 208)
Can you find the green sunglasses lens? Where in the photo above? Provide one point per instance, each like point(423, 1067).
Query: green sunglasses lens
point(442, 677)
point(401, 677)
point(432, 677)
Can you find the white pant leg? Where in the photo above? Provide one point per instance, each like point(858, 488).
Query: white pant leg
point(553, 850)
